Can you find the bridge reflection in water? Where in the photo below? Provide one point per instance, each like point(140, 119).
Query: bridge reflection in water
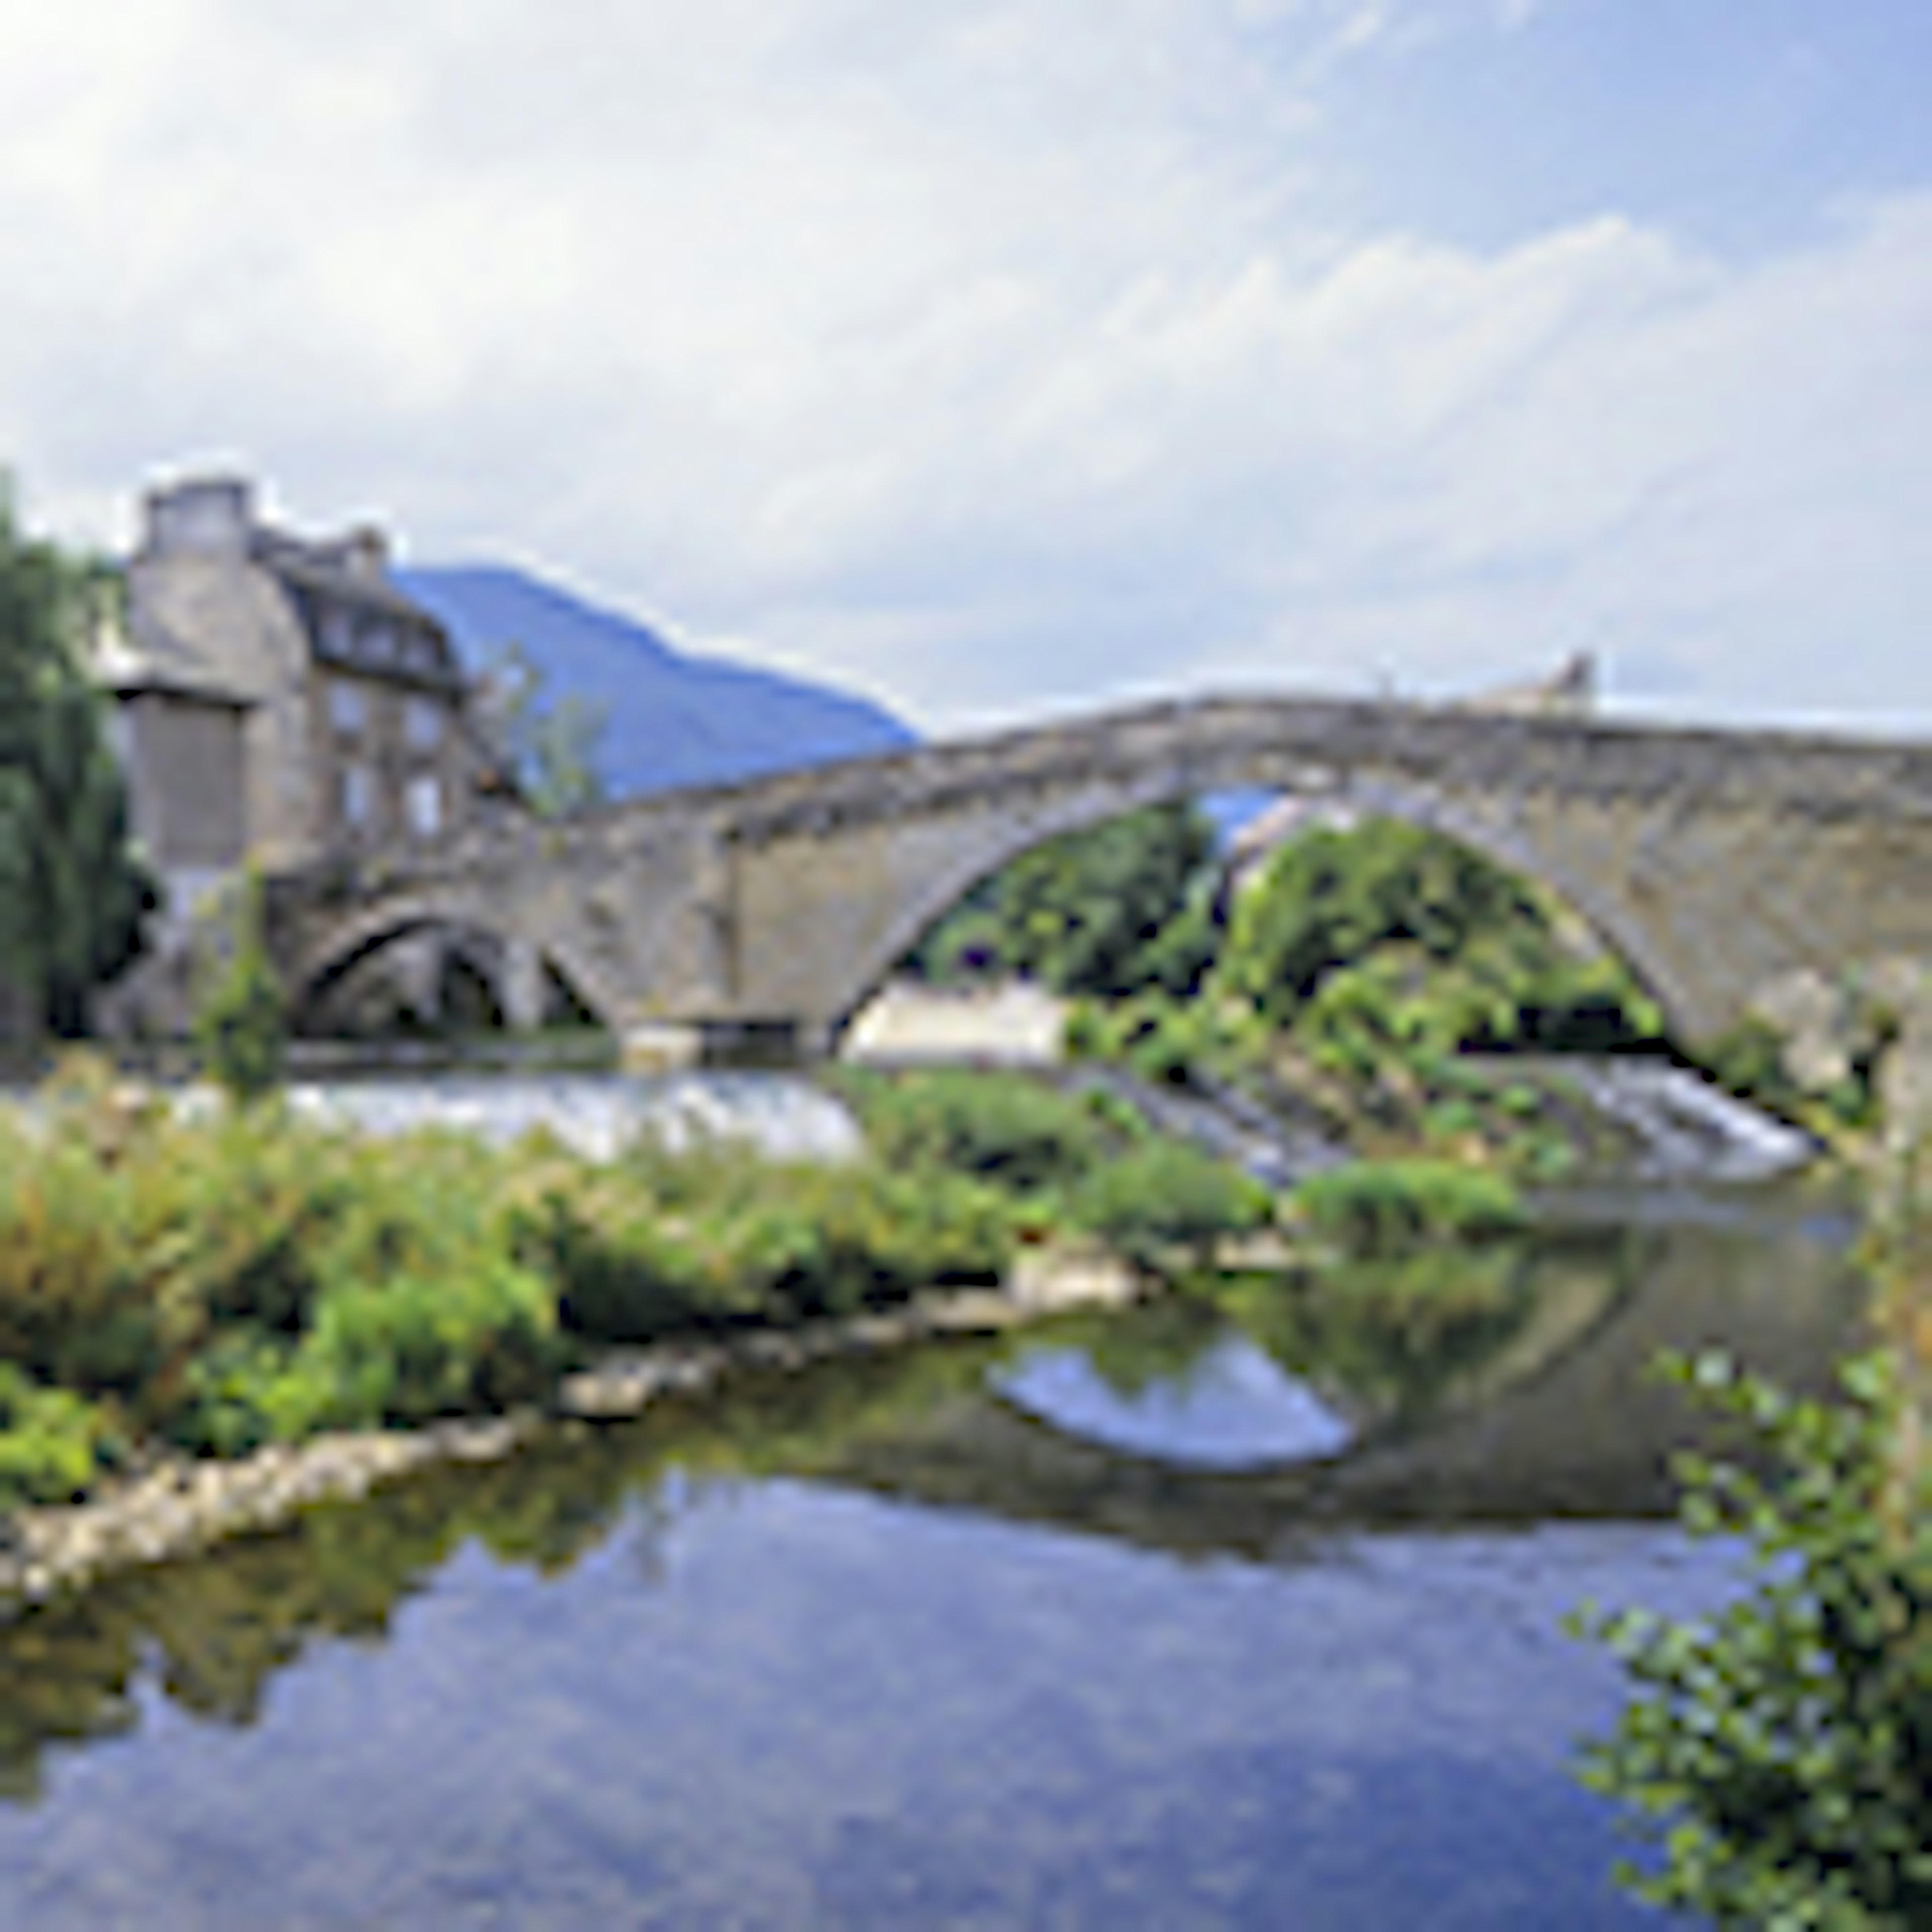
point(1527, 1403)
point(1548, 1411)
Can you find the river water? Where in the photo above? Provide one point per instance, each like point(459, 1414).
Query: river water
point(1238, 1614)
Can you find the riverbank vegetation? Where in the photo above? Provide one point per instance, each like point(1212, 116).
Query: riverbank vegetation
point(1781, 1749)
point(219, 1277)
point(1374, 1208)
point(1082, 1162)
point(247, 1275)
point(222, 1279)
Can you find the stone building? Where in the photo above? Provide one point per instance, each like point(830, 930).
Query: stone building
point(277, 699)
point(280, 699)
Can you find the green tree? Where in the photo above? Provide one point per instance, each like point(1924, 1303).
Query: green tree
point(1109, 911)
point(72, 893)
point(1330, 898)
point(1390, 933)
point(551, 744)
point(1782, 1748)
point(242, 1027)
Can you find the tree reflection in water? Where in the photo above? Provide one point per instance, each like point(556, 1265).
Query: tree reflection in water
point(211, 1631)
point(1543, 1351)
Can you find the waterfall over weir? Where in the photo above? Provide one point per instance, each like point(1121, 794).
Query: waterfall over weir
point(1674, 1126)
point(597, 1116)
point(1680, 1126)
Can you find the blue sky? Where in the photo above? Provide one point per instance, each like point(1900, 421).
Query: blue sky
point(1020, 356)
point(1737, 127)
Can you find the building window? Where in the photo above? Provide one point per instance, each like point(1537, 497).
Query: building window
point(338, 633)
point(348, 709)
point(422, 724)
point(359, 798)
point(423, 801)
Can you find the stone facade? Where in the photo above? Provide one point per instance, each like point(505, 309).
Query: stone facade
point(278, 700)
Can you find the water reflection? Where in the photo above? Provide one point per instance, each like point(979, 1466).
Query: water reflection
point(1226, 1404)
point(1512, 1395)
point(792, 1620)
point(1274, 1368)
point(212, 1632)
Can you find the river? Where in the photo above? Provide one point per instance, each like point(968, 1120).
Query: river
point(1237, 1615)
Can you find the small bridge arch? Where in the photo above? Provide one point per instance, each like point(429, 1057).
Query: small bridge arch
point(519, 973)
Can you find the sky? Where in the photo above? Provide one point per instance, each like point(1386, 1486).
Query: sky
point(1011, 358)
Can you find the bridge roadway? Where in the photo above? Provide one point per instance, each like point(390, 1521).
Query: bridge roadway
point(1720, 864)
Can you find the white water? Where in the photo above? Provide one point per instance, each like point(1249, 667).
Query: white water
point(597, 1116)
point(1684, 1127)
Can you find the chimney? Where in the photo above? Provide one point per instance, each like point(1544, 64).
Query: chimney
point(365, 554)
point(211, 515)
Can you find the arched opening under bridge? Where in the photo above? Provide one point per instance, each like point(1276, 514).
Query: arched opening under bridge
point(1266, 897)
point(428, 976)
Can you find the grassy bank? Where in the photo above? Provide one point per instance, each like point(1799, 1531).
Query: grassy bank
point(244, 1277)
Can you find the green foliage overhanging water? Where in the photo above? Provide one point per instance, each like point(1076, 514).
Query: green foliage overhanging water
point(1782, 1748)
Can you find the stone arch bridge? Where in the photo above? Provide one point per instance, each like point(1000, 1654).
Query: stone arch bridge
point(1718, 864)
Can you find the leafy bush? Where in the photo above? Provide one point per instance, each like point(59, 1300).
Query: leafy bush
point(75, 1305)
point(1165, 1195)
point(219, 1407)
point(1013, 1132)
point(1375, 1208)
point(1783, 1747)
point(411, 1346)
point(53, 1444)
point(228, 1214)
point(623, 1271)
point(242, 1026)
point(1166, 1040)
point(887, 1234)
point(1082, 1158)
point(786, 1244)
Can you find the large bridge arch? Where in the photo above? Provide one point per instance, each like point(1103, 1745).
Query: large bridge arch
point(995, 841)
point(850, 908)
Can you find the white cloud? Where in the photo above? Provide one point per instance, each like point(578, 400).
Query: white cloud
point(991, 356)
